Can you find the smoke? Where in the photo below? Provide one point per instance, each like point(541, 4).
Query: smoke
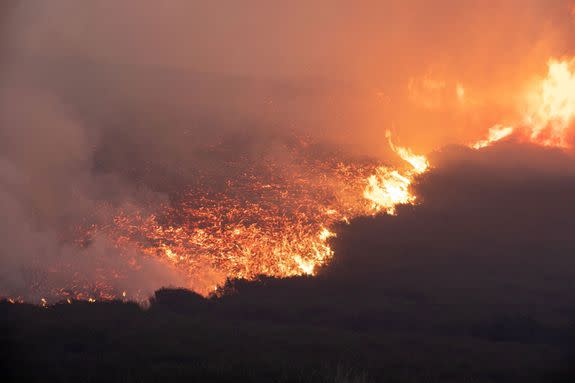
point(48, 189)
point(436, 74)
point(112, 104)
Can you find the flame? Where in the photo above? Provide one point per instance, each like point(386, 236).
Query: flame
point(552, 107)
point(325, 234)
point(418, 162)
point(549, 113)
point(496, 133)
point(388, 188)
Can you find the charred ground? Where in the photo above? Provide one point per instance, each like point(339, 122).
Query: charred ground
point(474, 284)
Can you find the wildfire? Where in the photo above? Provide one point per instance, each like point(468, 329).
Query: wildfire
point(268, 221)
point(265, 224)
point(278, 222)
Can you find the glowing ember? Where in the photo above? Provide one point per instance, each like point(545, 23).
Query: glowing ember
point(270, 220)
point(262, 224)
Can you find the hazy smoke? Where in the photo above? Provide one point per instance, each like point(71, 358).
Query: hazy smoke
point(321, 67)
point(47, 189)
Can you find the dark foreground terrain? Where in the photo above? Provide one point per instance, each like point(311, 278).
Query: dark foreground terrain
point(476, 284)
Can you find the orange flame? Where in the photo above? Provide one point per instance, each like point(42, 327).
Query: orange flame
point(552, 107)
point(418, 162)
point(388, 188)
point(496, 133)
point(550, 110)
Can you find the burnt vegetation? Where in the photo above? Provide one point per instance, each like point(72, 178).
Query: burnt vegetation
point(473, 285)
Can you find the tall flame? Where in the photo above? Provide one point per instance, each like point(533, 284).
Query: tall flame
point(550, 110)
point(553, 108)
